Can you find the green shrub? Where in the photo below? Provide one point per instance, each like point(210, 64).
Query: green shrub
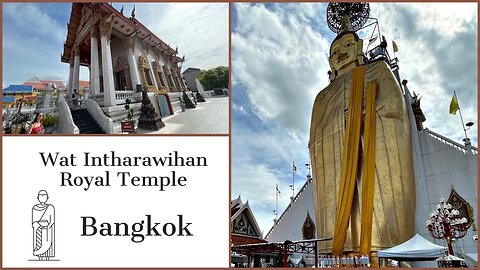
point(49, 120)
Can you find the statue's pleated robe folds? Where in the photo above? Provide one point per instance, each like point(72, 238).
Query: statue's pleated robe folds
point(394, 195)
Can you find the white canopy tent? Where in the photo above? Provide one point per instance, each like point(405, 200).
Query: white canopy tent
point(415, 249)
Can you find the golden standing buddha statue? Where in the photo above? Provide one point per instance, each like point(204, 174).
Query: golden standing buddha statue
point(392, 195)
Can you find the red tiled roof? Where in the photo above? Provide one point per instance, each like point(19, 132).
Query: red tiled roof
point(37, 86)
point(54, 82)
point(243, 240)
point(83, 84)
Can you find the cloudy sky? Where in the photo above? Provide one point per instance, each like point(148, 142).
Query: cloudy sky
point(279, 64)
point(33, 36)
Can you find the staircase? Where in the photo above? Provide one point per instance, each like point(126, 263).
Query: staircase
point(85, 122)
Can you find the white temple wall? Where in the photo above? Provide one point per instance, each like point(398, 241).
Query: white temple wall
point(119, 49)
point(446, 166)
point(289, 227)
point(138, 51)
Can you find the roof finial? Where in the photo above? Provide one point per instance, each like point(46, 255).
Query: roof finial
point(345, 23)
point(133, 12)
point(121, 10)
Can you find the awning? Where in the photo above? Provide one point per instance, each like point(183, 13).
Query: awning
point(415, 249)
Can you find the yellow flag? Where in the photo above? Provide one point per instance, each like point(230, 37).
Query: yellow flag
point(395, 48)
point(454, 105)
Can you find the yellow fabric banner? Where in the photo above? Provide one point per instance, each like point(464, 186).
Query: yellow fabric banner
point(454, 105)
point(348, 175)
point(368, 177)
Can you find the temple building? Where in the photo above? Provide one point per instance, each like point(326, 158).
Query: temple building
point(40, 85)
point(123, 57)
point(244, 229)
point(191, 75)
point(14, 95)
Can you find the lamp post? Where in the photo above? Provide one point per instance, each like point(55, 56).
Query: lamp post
point(445, 223)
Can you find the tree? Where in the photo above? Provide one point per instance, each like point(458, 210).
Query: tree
point(214, 78)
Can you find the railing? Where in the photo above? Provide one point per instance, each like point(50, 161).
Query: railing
point(65, 119)
point(449, 142)
point(120, 96)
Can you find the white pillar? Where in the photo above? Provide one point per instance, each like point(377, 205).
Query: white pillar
point(164, 76)
point(132, 63)
point(76, 72)
point(152, 74)
point(108, 83)
point(164, 79)
point(94, 65)
point(86, 93)
point(173, 81)
point(70, 78)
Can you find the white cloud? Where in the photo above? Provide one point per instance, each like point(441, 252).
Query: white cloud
point(283, 50)
point(200, 30)
point(437, 61)
point(29, 15)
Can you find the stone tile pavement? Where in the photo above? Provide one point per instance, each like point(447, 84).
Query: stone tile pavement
point(210, 117)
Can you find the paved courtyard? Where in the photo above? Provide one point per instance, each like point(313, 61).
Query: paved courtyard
point(209, 117)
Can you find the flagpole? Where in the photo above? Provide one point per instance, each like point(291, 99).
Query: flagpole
point(293, 180)
point(276, 203)
point(460, 112)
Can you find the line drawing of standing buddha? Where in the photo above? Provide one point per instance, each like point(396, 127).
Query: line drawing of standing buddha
point(43, 223)
point(361, 154)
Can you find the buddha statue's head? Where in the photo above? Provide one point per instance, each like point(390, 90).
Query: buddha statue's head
point(345, 52)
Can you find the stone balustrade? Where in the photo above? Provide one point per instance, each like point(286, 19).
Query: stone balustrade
point(121, 96)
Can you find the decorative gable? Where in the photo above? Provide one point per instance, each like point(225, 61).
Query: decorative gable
point(460, 204)
point(308, 228)
point(243, 225)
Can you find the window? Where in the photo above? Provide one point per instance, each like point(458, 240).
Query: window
point(162, 81)
point(147, 76)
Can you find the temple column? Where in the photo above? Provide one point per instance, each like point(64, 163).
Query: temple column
point(86, 94)
point(107, 66)
point(70, 79)
point(94, 65)
point(177, 82)
point(152, 72)
point(162, 73)
point(76, 73)
point(132, 63)
point(173, 81)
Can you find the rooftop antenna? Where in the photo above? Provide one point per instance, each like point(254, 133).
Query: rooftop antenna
point(308, 168)
point(292, 186)
point(275, 211)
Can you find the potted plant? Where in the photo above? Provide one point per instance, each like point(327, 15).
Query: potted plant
point(128, 125)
